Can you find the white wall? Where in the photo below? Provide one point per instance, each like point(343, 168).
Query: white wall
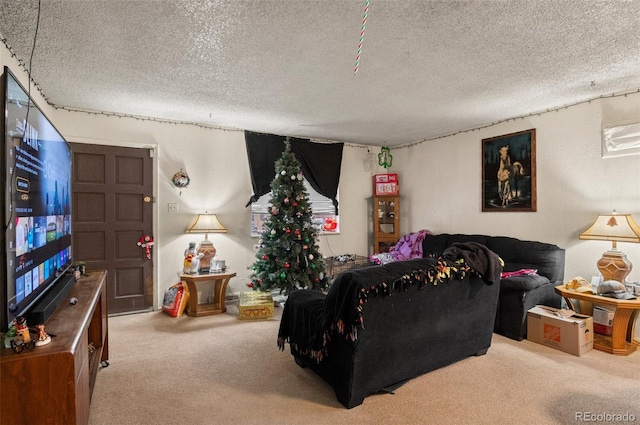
point(441, 182)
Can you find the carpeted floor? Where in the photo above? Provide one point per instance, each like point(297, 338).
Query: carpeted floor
point(220, 370)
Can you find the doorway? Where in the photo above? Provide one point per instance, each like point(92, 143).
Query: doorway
point(112, 214)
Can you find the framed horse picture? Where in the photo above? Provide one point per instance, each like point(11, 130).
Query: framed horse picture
point(509, 172)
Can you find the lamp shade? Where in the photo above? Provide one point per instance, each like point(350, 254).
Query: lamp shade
point(206, 223)
point(613, 227)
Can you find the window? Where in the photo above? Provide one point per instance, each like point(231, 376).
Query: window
point(324, 215)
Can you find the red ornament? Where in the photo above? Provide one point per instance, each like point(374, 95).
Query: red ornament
point(295, 204)
point(265, 257)
point(250, 285)
point(287, 265)
point(297, 231)
point(287, 230)
point(316, 280)
point(286, 200)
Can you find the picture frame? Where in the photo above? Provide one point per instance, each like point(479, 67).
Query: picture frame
point(509, 172)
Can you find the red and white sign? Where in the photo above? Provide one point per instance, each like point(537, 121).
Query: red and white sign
point(385, 184)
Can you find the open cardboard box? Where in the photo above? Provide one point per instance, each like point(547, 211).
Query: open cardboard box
point(561, 329)
point(603, 319)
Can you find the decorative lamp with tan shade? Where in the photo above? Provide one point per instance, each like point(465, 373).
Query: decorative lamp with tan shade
point(206, 223)
point(614, 227)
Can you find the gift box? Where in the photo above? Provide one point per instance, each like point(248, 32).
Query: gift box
point(255, 305)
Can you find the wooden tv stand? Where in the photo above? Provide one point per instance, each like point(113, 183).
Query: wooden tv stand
point(53, 383)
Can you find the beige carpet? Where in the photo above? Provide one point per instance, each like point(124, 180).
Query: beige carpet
point(220, 370)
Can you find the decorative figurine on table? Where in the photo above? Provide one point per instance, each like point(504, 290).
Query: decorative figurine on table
point(79, 270)
point(43, 338)
point(191, 259)
point(22, 328)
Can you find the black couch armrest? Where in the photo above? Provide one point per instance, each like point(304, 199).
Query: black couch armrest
point(518, 254)
point(522, 283)
point(307, 307)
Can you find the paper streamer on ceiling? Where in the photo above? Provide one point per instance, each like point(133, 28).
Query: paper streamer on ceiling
point(364, 24)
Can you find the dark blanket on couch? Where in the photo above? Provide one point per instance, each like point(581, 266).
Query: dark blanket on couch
point(477, 256)
point(381, 326)
point(340, 310)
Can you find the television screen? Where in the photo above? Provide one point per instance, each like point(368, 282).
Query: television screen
point(37, 211)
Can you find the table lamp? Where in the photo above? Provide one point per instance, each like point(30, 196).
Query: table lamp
point(206, 223)
point(614, 227)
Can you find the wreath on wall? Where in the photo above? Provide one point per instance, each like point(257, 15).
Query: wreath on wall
point(181, 180)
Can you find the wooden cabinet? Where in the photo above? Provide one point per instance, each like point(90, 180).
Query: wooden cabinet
point(53, 383)
point(386, 229)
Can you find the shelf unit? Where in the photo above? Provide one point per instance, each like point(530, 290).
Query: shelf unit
point(386, 216)
point(53, 383)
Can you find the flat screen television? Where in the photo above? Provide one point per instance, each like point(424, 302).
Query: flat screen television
point(37, 245)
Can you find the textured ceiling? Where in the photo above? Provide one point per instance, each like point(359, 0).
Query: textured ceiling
point(427, 68)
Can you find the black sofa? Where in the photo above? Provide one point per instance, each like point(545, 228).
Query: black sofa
point(382, 325)
point(518, 293)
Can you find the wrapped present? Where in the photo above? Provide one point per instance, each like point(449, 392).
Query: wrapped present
point(255, 305)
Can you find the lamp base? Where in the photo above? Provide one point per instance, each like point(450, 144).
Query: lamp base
point(208, 252)
point(614, 265)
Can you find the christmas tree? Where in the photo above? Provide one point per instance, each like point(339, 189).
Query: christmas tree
point(288, 257)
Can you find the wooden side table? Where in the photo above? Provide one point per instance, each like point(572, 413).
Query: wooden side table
point(622, 339)
point(220, 280)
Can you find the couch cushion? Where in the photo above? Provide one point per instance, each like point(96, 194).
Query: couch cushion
point(522, 283)
point(436, 244)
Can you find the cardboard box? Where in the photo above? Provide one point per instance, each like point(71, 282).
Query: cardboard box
point(602, 320)
point(255, 305)
point(385, 184)
point(573, 335)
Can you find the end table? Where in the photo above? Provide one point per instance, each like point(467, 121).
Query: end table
point(622, 339)
point(220, 282)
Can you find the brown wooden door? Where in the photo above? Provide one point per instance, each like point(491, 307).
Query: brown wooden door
point(112, 211)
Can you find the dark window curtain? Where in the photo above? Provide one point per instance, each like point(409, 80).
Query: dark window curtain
point(320, 163)
point(263, 150)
